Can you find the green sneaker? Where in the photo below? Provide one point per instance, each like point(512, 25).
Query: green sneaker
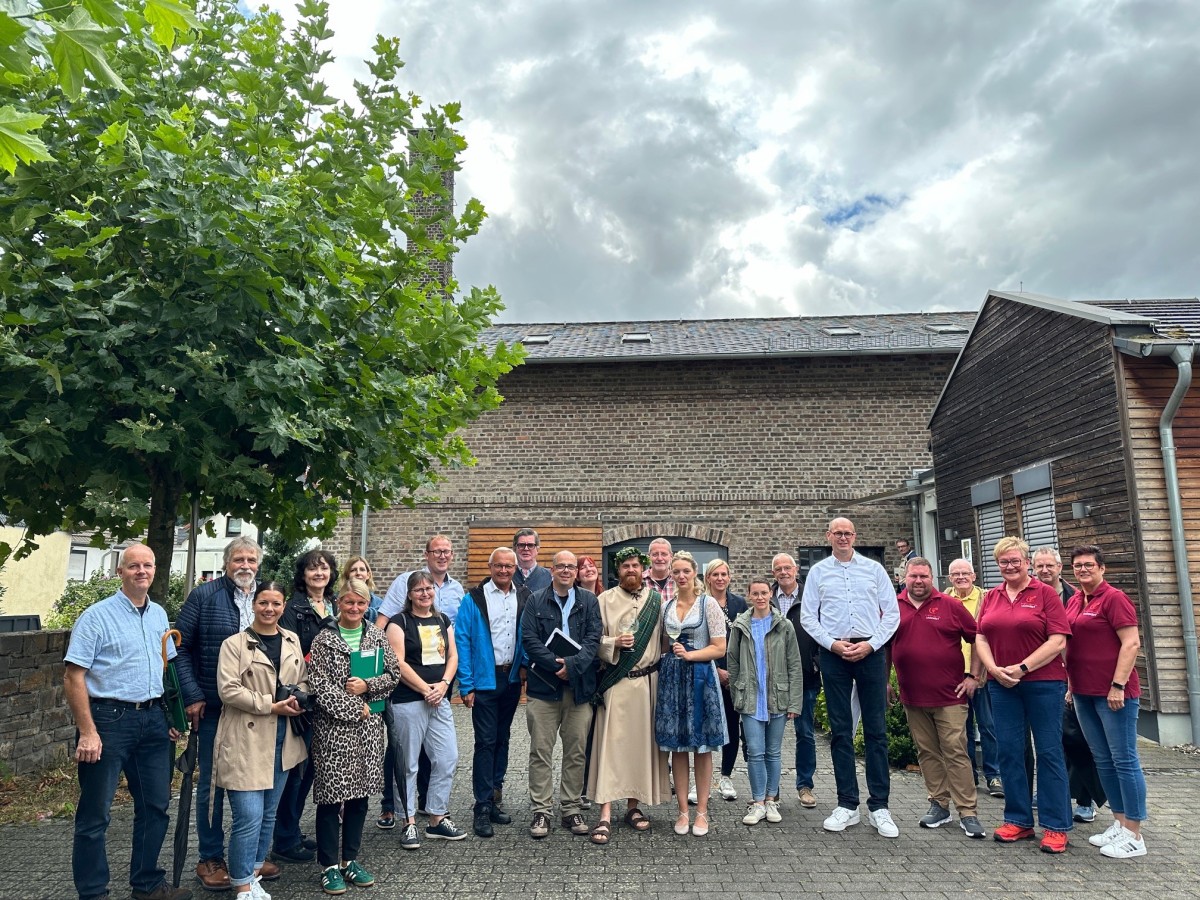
point(357, 875)
point(332, 881)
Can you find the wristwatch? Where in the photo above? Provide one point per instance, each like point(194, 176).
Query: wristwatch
point(969, 675)
point(1024, 668)
point(1119, 687)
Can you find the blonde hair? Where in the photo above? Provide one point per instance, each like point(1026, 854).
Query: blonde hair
point(370, 582)
point(356, 587)
point(684, 556)
point(1010, 543)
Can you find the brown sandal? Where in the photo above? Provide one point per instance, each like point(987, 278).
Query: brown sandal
point(636, 819)
point(600, 833)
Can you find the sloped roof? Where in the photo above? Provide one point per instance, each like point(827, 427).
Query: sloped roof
point(712, 338)
point(1172, 318)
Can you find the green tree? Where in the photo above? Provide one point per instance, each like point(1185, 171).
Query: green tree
point(222, 286)
point(79, 595)
point(279, 558)
point(72, 38)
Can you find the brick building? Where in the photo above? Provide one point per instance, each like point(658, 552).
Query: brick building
point(734, 437)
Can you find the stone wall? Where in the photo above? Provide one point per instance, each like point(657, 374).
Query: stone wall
point(762, 451)
point(36, 728)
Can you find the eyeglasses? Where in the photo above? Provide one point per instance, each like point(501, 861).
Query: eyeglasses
point(526, 546)
point(565, 567)
point(842, 534)
point(438, 552)
point(1083, 567)
point(1010, 563)
point(425, 589)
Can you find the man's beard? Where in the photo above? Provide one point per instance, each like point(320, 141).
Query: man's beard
point(244, 578)
point(631, 583)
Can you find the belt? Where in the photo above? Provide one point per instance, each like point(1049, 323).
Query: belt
point(125, 704)
point(855, 640)
point(504, 669)
point(642, 673)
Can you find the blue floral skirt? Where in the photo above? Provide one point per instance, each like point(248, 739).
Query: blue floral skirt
point(689, 716)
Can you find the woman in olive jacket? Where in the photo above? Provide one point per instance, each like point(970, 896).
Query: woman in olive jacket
point(766, 681)
point(255, 747)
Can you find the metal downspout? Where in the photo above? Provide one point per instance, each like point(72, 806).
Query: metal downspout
point(1182, 357)
point(362, 541)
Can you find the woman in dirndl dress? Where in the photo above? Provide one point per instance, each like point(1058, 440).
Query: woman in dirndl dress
point(689, 716)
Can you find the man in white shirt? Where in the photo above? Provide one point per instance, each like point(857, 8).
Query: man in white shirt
point(849, 608)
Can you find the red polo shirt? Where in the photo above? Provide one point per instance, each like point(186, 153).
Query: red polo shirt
point(1015, 629)
point(1092, 656)
point(927, 649)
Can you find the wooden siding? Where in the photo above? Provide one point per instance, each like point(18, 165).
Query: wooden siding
point(482, 539)
point(1035, 386)
point(1148, 384)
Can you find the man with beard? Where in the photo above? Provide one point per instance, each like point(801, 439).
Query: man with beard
point(213, 612)
point(927, 653)
point(626, 761)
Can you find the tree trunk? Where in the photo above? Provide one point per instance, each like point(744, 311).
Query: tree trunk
point(166, 492)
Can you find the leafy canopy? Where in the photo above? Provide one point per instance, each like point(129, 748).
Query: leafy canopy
point(223, 283)
point(73, 37)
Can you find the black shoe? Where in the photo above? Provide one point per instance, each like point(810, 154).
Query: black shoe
point(297, 854)
point(163, 892)
point(308, 843)
point(499, 816)
point(483, 822)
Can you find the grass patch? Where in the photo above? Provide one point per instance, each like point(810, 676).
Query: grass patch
point(53, 793)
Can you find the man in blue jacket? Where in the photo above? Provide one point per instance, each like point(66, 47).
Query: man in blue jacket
point(559, 689)
point(213, 612)
point(487, 636)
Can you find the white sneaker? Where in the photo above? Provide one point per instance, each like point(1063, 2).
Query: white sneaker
point(755, 813)
point(881, 821)
point(692, 798)
point(728, 791)
point(773, 812)
point(256, 890)
point(1126, 845)
point(840, 819)
point(1106, 837)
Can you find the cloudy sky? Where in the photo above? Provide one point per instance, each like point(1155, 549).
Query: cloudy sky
point(663, 159)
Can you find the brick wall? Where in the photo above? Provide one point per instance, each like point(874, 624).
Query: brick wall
point(36, 728)
point(761, 453)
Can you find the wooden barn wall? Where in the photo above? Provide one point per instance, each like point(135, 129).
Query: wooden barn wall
point(1148, 384)
point(1034, 386)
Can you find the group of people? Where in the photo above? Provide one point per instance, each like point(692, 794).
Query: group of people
point(324, 686)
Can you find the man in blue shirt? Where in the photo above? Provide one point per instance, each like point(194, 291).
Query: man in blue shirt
point(114, 686)
point(849, 608)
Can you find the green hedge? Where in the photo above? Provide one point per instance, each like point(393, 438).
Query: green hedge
point(79, 595)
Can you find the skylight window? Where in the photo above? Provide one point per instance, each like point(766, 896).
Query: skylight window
point(636, 337)
point(946, 328)
point(535, 339)
point(841, 331)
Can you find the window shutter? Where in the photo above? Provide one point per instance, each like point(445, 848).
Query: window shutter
point(991, 529)
point(1038, 524)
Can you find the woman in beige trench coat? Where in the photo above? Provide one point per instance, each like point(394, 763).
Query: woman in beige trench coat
point(255, 746)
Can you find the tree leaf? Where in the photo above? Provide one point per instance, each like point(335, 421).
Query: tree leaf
point(16, 141)
point(77, 48)
point(166, 17)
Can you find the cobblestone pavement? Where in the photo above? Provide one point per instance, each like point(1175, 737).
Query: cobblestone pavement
point(793, 858)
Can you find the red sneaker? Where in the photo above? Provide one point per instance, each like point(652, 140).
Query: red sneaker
point(1010, 834)
point(1054, 841)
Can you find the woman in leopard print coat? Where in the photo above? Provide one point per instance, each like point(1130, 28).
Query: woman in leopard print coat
point(348, 739)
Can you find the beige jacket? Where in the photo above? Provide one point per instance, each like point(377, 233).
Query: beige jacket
point(244, 749)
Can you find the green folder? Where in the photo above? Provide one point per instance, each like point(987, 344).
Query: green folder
point(368, 664)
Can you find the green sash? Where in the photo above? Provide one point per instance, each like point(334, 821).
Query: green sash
point(646, 622)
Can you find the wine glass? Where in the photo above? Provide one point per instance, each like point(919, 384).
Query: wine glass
point(626, 625)
point(673, 629)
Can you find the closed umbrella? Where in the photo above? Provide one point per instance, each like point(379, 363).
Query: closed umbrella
point(186, 763)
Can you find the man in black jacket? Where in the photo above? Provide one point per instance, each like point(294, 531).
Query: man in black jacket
point(559, 689)
point(786, 591)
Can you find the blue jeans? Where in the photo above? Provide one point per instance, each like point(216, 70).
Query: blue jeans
point(134, 742)
point(806, 739)
point(491, 718)
point(870, 676)
point(979, 715)
point(1035, 706)
point(210, 828)
point(254, 820)
point(291, 802)
point(1112, 735)
point(764, 741)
